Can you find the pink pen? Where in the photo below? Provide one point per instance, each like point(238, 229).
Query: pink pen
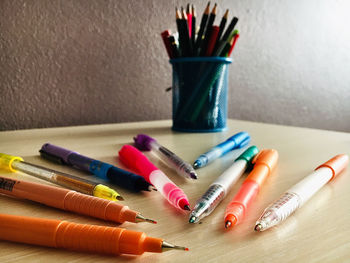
point(136, 160)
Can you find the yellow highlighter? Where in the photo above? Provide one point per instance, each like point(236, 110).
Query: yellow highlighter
point(15, 163)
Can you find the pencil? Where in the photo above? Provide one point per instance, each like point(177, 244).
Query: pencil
point(189, 19)
point(203, 47)
point(221, 30)
point(201, 29)
point(193, 34)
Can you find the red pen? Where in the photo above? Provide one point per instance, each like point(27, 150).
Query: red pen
point(264, 163)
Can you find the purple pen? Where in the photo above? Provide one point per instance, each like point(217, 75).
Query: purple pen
point(147, 143)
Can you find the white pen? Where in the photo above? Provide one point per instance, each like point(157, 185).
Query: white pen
point(296, 196)
point(222, 185)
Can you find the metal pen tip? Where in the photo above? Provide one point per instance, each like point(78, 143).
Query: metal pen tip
point(193, 175)
point(228, 224)
point(258, 227)
point(192, 219)
point(141, 218)
point(119, 198)
point(196, 165)
point(152, 188)
point(168, 246)
point(186, 207)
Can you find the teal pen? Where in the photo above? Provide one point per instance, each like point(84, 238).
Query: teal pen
point(237, 141)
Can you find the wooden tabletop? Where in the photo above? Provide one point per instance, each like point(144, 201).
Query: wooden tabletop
point(317, 232)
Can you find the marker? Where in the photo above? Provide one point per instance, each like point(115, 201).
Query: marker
point(238, 140)
point(297, 196)
point(222, 185)
point(79, 237)
point(202, 29)
point(264, 163)
point(146, 143)
point(103, 170)
point(14, 163)
point(134, 159)
point(72, 201)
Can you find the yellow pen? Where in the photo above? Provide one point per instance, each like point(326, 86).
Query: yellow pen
point(15, 163)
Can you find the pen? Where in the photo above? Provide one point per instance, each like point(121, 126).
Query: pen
point(296, 196)
point(134, 159)
point(103, 170)
point(70, 200)
point(222, 185)
point(145, 142)
point(264, 162)
point(14, 163)
point(236, 141)
point(79, 237)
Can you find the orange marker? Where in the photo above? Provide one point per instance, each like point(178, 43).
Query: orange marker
point(70, 201)
point(264, 162)
point(79, 237)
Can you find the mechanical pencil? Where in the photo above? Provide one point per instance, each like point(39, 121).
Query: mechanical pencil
point(103, 170)
point(296, 196)
point(14, 163)
point(70, 200)
point(79, 237)
point(264, 163)
point(134, 159)
point(222, 185)
point(238, 140)
point(144, 142)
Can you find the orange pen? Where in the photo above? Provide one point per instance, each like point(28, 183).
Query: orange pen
point(264, 163)
point(79, 237)
point(70, 201)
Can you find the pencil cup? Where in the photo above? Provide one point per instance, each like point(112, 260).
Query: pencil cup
point(200, 87)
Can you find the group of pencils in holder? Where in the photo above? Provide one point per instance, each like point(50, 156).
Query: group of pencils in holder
point(209, 40)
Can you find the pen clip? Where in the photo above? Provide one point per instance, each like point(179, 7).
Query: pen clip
point(51, 157)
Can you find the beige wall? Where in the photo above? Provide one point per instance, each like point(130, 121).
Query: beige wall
point(83, 62)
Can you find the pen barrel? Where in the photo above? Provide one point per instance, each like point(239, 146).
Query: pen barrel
point(259, 174)
point(72, 236)
point(242, 200)
point(67, 200)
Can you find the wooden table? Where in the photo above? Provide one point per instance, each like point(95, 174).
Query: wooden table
point(318, 232)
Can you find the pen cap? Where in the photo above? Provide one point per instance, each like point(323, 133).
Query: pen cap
point(56, 151)
point(241, 139)
point(264, 163)
point(143, 142)
point(7, 160)
point(248, 154)
point(337, 164)
point(136, 160)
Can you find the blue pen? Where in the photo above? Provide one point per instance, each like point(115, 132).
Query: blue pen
point(103, 170)
point(237, 141)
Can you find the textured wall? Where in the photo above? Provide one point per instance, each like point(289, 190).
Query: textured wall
point(82, 62)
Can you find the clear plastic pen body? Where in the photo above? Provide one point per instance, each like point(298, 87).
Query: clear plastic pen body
point(66, 180)
point(294, 198)
point(217, 191)
point(180, 166)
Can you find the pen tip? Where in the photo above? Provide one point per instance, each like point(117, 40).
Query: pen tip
point(151, 188)
point(141, 218)
point(119, 198)
point(258, 227)
point(196, 165)
point(193, 175)
point(187, 207)
point(192, 219)
point(228, 224)
point(168, 246)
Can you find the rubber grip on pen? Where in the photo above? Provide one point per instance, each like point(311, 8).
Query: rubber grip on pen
point(73, 236)
point(98, 207)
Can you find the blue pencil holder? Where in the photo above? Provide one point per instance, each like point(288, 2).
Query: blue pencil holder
point(200, 86)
